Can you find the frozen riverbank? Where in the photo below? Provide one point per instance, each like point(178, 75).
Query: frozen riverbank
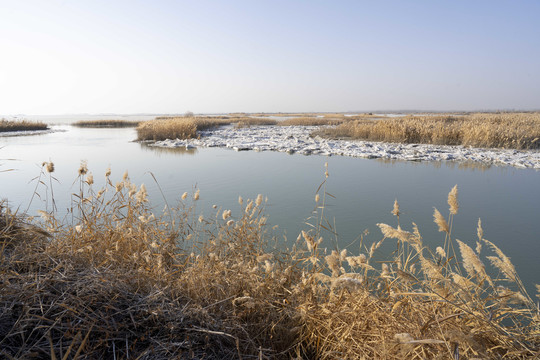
point(296, 139)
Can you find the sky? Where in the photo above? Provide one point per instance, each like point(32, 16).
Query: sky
point(134, 56)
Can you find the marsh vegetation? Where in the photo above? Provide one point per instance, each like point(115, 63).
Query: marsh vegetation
point(187, 127)
point(106, 123)
point(491, 130)
point(482, 130)
point(116, 279)
point(21, 125)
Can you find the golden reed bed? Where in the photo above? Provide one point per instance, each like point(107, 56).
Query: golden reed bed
point(506, 130)
point(488, 130)
point(116, 280)
point(21, 125)
point(187, 127)
point(106, 123)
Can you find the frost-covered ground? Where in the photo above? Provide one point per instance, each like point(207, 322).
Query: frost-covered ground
point(296, 139)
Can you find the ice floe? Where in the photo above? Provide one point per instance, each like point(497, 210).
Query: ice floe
point(297, 139)
point(26, 132)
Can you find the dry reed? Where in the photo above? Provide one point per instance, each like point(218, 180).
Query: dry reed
point(21, 125)
point(117, 280)
point(188, 127)
point(325, 119)
point(106, 123)
point(492, 130)
point(310, 121)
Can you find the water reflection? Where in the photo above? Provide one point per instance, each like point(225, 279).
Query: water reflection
point(181, 150)
point(473, 165)
point(459, 165)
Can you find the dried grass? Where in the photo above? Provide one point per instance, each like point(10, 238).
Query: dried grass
point(310, 121)
point(248, 121)
point(492, 130)
point(117, 280)
point(188, 127)
point(107, 123)
point(325, 119)
point(21, 125)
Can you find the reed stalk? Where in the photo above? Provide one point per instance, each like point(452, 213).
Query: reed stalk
point(121, 280)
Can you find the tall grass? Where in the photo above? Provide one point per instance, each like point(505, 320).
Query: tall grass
point(115, 279)
point(21, 125)
point(163, 128)
point(249, 121)
point(506, 130)
point(310, 121)
point(106, 123)
point(326, 119)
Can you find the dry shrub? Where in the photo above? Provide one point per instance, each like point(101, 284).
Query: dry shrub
point(21, 125)
point(117, 280)
point(504, 130)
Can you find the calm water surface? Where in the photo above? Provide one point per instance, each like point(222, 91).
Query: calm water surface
point(505, 198)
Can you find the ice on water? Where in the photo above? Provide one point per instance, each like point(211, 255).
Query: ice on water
point(297, 139)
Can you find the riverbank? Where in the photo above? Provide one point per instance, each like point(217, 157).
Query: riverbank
point(299, 139)
point(119, 280)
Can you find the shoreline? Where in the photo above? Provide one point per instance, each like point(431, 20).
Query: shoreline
point(297, 139)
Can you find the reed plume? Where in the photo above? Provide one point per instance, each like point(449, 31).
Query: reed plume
point(440, 221)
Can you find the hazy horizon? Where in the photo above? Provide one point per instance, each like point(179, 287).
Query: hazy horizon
point(169, 57)
point(378, 111)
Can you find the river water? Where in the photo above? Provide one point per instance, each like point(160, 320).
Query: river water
point(507, 199)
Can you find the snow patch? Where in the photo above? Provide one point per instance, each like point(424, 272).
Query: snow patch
point(296, 139)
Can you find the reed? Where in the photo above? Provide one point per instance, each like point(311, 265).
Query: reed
point(327, 119)
point(248, 121)
point(164, 128)
point(310, 121)
point(491, 130)
point(107, 123)
point(21, 125)
point(285, 114)
point(118, 280)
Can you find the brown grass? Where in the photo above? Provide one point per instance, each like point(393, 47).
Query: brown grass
point(248, 121)
point(119, 281)
point(312, 115)
point(505, 130)
point(310, 121)
point(163, 128)
point(107, 123)
point(285, 114)
point(327, 119)
point(21, 125)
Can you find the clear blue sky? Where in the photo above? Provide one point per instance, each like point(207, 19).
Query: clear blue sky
point(95, 56)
